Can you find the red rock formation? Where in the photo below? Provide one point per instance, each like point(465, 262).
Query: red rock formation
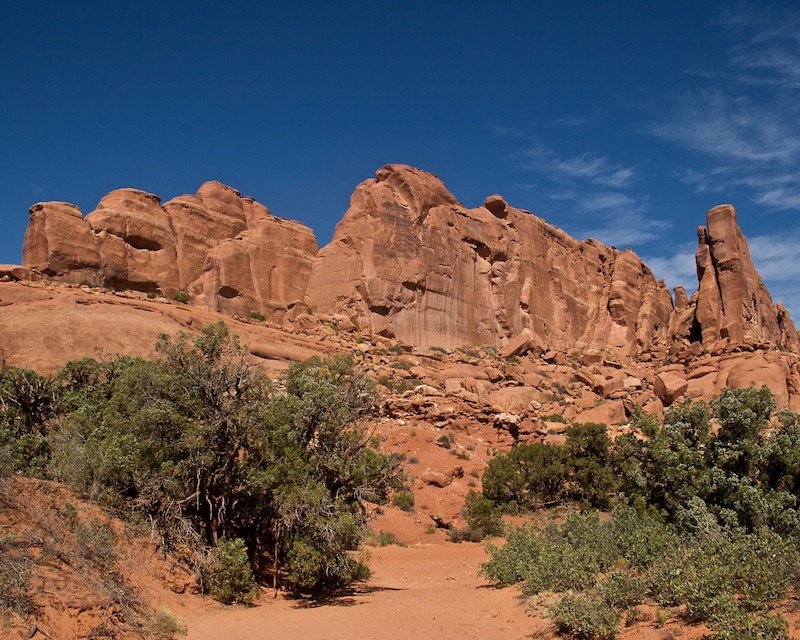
point(732, 301)
point(228, 251)
point(408, 261)
point(263, 269)
point(60, 244)
point(136, 242)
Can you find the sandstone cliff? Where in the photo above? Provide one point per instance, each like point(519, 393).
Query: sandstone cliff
point(409, 262)
point(228, 252)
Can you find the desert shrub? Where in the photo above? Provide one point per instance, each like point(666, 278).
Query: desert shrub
point(164, 625)
point(622, 589)
point(387, 538)
point(257, 316)
point(14, 580)
point(98, 544)
point(469, 352)
point(584, 617)
point(554, 417)
point(403, 500)
point(208, 450)
point(405, 384)
point(729, 580)
point(231, 578)
point(444, 440)
point(182, 297)
point(483, 515)
point(28, 403)
point(464, 534)
point(529, 476)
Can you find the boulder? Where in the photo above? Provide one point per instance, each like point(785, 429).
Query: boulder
point(520, 345)
point(608, 413)
point(758, 370)
point(669, 386)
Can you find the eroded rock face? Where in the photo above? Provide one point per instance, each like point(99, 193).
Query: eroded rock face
point(136, 242)
point(732, 302)
point(265, 268)
point(408, 261)
point(60, 244)
point(228, 251)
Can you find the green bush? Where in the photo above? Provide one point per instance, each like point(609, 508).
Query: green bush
point(483, 515)
point(529, 476)
point(258, 316)
point(182, 297)
point(403, 500)
point(208, 449)
point(729, 580)
point(231, 578)
point(588, 452)
point(584, 617)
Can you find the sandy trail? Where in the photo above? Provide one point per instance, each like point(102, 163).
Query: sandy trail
point(414, 592)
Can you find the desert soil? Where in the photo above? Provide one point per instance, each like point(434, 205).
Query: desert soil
point(427, 591)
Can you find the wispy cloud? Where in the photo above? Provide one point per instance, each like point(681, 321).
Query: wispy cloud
point(599, 193)
point(732, 128)
point(588, 167)
point(676, 269)
point(744, 125)
point(776, 257)
point(772, 49)
point(624, 227)
point(777, 260)
point(570, 121)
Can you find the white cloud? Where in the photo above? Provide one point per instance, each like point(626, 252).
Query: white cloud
point(587, 168)
point(776, 257)
point(570, 121)
point(732, 129)
point(624, 229)
point(599, 190)
point(611, 200)
point(676, 269)
point(744, 125)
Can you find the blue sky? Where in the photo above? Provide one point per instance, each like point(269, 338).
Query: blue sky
point(616, 120)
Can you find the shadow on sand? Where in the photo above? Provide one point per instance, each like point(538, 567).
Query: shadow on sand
point(344, 597)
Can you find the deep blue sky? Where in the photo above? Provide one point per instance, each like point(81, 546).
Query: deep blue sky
point(616, 120)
